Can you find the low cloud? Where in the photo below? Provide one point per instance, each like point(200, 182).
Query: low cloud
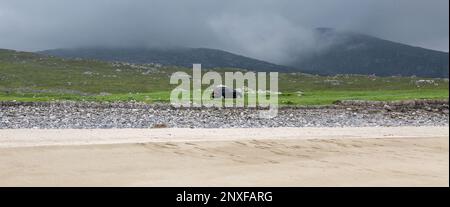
point(267, 37)
point(272, 30)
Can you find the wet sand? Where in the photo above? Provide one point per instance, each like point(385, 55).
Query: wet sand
point(381, 156)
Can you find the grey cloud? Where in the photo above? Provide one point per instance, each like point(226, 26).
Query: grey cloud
point(264, 29)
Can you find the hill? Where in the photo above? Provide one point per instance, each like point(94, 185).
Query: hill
point(336, 52)
point(184, 57)
point(354, 53)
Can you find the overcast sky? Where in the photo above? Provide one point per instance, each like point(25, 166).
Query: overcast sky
point(263, 29)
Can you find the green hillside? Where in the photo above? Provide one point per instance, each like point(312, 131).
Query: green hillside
point(32, 77)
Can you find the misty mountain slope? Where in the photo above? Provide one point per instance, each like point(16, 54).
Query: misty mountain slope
point(333, 52)
point(185, 57)
point(353, 53)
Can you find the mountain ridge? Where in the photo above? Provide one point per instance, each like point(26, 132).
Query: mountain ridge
point(174, 56)
point(356, 53)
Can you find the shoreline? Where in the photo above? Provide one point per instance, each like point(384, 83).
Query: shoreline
point(409, 104)
point(67, 137)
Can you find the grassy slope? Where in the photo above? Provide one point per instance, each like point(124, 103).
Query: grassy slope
point(31, 77)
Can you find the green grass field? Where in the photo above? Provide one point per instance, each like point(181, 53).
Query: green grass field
point(31, 77)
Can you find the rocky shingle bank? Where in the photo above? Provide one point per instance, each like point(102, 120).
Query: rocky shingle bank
point(140, 115)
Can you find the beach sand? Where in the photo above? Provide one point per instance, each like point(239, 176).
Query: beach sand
point(378, 156)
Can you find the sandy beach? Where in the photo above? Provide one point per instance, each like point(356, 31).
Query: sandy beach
point(359, 156)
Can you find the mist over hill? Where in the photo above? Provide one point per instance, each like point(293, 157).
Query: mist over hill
point(340, 52)
point(331, 52)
